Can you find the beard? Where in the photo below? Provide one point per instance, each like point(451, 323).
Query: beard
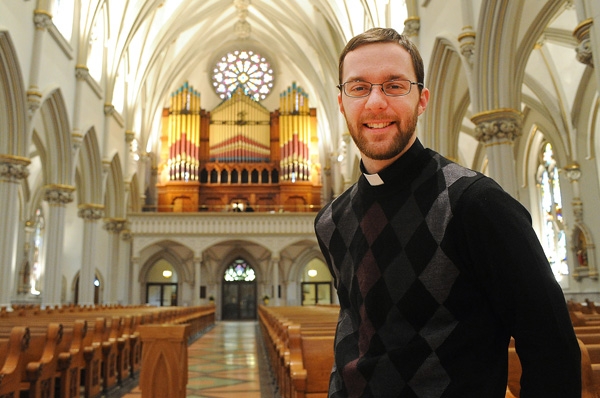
point(388, 148)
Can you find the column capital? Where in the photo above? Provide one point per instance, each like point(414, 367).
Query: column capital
point(90, 211)
point(13, 168)
point(109, 109)
point(498, 125)
point(42, 19)
point(115, 225)
point(573, 171)
point(58, 194)
point(412, 25)
point(126, 235)
point(82, 72)
point(584, 49)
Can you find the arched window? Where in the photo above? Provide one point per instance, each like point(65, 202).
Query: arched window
point(553, 228)
point(214, 176)
point(95, 60)
point(32, 268)
point(239, 271)
point(62, 17)
point(246, 70)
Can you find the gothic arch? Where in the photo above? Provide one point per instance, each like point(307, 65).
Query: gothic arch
point(54, 139)
point(13, 104)
point(180, 264)
point(89, 165)
point(114, 197)
point(448, 81)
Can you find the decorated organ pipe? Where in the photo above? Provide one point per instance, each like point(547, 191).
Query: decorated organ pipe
point(184, 134)
point(295, 134)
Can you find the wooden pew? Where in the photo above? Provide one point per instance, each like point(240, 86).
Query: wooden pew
point(12, 360)
point(299, 343)
point(42, 361)
point(590, 375)
point(102, 344)
point(311, 361)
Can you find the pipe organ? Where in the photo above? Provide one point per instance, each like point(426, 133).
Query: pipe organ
point(240, 155)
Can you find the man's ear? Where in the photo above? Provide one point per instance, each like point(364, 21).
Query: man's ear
point(423, 100)
point(340, 104)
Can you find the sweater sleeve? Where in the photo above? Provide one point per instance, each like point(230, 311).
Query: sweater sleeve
point(499, 247)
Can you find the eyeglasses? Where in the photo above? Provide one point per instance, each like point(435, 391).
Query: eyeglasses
point(391, 88)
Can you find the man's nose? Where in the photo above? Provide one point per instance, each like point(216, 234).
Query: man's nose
point(377, 98)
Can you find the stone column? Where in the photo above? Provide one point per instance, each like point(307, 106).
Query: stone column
point(57, 197)
point(13, 169)
point(275, 270)
point(42, 20)
point(197, 280)
point(90, 213)
point(124, 270)
point(114, 226)
point(497, 130)
point(136, 297)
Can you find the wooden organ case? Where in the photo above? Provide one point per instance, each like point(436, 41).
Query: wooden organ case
point(240, 156)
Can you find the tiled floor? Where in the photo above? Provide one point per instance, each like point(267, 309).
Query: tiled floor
point(226, 362)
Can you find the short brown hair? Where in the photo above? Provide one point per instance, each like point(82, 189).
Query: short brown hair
point(384, 35)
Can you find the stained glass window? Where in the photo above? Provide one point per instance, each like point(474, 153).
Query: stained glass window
point(247, 70)
point(553, 228)
point(239, 271)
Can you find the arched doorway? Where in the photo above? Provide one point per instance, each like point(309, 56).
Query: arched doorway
point(96, 290)
point(316, 283)
point(161, 285)
point(239, 291)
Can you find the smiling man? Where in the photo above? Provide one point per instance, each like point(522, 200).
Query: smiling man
point(435, 266)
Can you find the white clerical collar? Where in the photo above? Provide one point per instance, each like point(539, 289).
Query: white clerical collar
point(373, 179)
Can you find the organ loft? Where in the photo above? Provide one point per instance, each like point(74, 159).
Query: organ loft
point(240, 156)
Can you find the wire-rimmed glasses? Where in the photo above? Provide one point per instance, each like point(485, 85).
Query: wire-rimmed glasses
point(391, 88)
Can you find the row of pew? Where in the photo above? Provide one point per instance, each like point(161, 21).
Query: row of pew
point(74, 351)
point(299, 344)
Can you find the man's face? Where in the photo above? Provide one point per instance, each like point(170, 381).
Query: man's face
point(382, 127)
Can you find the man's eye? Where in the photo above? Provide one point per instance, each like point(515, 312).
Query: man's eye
point(360, 87)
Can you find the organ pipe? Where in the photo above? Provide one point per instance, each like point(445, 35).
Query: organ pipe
point(295, 134)
point(184, 134)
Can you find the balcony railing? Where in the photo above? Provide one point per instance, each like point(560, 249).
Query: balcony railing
point(222, 223)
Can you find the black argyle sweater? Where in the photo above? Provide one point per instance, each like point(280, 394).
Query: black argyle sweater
point(435, 269)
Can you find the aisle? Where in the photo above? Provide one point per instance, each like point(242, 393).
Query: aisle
point(225, 363)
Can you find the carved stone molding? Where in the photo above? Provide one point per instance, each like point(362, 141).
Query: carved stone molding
point(90, 211)
point(501, 125)
point(34, 100)
point(81, 72)
point(13, 168)
point(126, 235)
point(42, 19)
point(412, 25)
point(573, 171)
point(467, 43)
point(584, 49)
point(115, 225)
point(109, 109)
point(57, 194)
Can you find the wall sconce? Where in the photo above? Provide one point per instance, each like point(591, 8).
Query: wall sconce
point(167, 273)
point(312, 273)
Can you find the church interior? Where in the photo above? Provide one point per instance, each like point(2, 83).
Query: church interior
point(174, 153)
point(189, 139)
